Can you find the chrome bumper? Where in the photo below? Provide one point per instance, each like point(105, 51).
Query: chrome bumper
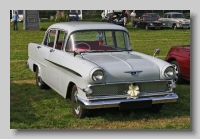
point(137, 102)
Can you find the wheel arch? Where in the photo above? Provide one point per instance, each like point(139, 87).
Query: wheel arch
point(171, 59)
point(69, 89)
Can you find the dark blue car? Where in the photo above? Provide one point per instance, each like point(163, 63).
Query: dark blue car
point(73, 16)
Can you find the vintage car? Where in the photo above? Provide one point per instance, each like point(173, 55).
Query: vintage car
point(93, 64)
point(149, 20)
point(179, 57)
point(175, 20)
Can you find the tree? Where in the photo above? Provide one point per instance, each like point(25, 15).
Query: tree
point(61, 15)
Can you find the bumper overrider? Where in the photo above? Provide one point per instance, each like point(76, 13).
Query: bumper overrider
point(127, 103)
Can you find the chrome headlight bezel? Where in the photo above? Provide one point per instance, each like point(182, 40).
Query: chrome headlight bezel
point(168, 72)
point(97, 75)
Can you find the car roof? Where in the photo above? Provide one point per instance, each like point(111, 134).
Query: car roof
point(173, 13)
point(81, 25)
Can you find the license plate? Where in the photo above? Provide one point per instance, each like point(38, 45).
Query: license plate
point(135, 104)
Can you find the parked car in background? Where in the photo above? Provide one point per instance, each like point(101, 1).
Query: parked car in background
point(119, 19)
point(93, 64)
point(179, 57)
point(73, 16)
point(175, 20)
point(111, 14)
point(149, 20)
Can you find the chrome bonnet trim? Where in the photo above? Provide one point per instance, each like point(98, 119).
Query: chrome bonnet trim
point(115, 102)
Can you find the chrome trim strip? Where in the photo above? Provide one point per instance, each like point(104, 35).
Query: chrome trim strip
point(72, 71)
point(141, 95)
point(142, 81)
point(115, 103)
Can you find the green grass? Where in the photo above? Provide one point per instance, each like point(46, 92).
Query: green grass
point(32, 108)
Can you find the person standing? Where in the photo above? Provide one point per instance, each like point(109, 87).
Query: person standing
point(133, 15)
point(125, 17)
point(15, 17)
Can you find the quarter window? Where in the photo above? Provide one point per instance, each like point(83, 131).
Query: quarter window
point(50, 38)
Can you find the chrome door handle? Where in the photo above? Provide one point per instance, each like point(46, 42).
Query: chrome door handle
point(52, 50)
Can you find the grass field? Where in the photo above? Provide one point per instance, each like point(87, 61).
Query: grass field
point(32, 108)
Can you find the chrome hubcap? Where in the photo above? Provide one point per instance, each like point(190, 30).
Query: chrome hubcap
point(176, 72)
point(76, 105)
point(39, 78)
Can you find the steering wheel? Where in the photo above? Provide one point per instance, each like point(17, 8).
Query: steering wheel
point(82, 46)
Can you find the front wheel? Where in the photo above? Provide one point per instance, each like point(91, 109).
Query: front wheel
point(177, 71)
point(78, 111)
point(174, 26)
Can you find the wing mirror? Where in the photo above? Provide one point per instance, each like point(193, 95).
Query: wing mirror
point(157, 51)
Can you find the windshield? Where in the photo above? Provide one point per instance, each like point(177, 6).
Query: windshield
point(98, 40)
point(178, 16)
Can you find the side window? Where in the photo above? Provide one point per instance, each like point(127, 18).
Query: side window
point(60, 39)
point(169, 16)
point(165, 16)
point(50, 38)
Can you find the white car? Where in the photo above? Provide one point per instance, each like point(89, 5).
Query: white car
point(175, 20)
point(93, 64)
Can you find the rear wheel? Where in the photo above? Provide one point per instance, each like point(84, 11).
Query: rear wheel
point(146, 27)
point(136, 26)
point(39, 82)
point(78, 111)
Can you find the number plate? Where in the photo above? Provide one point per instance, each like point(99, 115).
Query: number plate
point(135, 104)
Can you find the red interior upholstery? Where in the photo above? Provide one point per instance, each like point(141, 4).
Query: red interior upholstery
point(94, 45)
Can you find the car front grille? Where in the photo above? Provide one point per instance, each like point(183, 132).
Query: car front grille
point(157, 24)
point(121, 89)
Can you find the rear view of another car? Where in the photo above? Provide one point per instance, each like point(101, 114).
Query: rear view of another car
point(73, 16)
point(179, 57)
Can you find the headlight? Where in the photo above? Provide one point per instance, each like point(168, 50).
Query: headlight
point(180, 22)
point(151, 24)
point(169, 73)
point(97, 75)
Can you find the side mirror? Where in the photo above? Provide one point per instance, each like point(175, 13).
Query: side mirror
point(157, 51)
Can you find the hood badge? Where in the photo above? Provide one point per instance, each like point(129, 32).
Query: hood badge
point(133, 73)
point(133, 91)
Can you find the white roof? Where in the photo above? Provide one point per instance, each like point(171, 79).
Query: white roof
point(81, 25)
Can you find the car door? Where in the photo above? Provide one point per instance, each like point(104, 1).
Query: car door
point(42, 52)
point(54, 58)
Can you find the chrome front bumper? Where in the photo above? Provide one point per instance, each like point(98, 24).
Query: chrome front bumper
point(136, 103)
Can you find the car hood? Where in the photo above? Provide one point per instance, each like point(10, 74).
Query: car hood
point(121, 66)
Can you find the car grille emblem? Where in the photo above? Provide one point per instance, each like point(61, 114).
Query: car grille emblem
point(133, 73)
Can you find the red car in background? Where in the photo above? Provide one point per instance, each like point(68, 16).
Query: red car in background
point(179, 57)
